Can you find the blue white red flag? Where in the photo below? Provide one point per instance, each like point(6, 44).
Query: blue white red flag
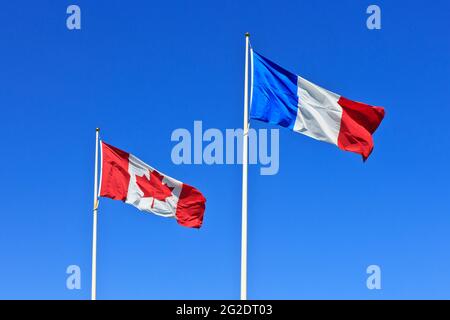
point(282, 98)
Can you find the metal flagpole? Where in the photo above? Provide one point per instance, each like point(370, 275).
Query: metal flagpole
point(94, 227)
point(244, 179)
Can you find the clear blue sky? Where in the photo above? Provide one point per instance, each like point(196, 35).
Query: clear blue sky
point(140, 69)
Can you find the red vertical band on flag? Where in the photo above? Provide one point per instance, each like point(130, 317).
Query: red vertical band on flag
point(359, 121)
point(115, 176)
point(190, 207)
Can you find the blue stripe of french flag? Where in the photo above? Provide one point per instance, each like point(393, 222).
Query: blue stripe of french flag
point(282, 98)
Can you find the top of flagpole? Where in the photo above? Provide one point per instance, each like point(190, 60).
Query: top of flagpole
point(97, 129)
point(247, 34)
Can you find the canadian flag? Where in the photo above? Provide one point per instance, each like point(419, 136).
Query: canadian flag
point(125, 177)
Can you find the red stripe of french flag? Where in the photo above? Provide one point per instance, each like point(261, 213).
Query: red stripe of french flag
point(359, 121)
point(125, 177)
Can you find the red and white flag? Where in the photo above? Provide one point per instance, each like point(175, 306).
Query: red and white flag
point(127, 178)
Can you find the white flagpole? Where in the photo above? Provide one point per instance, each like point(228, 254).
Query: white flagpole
point(244, 179)
point(94, 227)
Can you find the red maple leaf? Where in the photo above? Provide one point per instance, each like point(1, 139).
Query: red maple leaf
point(154, 187)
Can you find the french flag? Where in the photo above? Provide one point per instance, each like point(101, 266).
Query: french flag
point(282, 98)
